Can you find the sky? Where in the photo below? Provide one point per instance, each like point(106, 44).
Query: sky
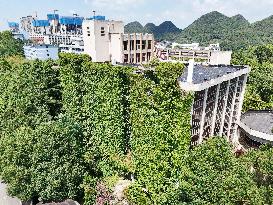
point(181, 12)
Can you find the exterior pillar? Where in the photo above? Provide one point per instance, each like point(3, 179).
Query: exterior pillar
point(129, 48)
point(135, 48)
point(224, 110)
point(141, 37)
point(232, 108)
point(215, 110)
point(203, 117)
point(240, 107)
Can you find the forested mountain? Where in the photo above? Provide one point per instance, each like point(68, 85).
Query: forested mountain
point(231, 32)
point(164, 30)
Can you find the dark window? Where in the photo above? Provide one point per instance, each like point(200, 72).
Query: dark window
point(149, 44)
point(125, 45)
point(47, 54)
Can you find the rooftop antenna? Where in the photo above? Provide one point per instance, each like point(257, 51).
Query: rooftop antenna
point(94, 14)
point(190, 70)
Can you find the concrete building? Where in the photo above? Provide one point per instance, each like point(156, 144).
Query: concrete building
point(105, 41)
point(41, 52)
point(57, 39)
point(218, 98)
point(175, 52)
point(26, 23)
point(137, 48)
point(255, 129)
point(76, 46)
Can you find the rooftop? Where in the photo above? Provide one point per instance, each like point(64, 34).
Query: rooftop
point(205, 76)
point(202, 73)
point(261, 121)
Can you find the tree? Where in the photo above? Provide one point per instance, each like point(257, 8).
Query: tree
point(216, 176)
point(10, 46)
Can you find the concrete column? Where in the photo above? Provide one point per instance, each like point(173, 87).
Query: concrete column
point(203, 117)
point(215, 110)
point(146, 49)
point(153, 47)
point(232, 108)
point(240, 107)
point(141, 47)
point(224, 110)
point(129, 48)
point(135, 48)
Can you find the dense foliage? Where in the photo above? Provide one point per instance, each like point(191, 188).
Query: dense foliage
point(160, 118)
point(259, 95)
point(10, 46)
point(75, 129)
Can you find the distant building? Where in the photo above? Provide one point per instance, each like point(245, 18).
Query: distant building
point(41, 52)
point(26, 23)
point(105, 41)
point(218, 99)
point(184, 52)
point(76, 46)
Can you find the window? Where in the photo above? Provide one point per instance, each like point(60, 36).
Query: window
point(102, 31)
point(88, 34)
point(87, 27)
point(47, 54)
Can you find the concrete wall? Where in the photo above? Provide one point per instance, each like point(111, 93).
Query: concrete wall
point(220, 57)
point(97, 37)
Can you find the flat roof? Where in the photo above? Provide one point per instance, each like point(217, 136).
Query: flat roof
point(261, 121)
point(205, 76)
point(203, 73)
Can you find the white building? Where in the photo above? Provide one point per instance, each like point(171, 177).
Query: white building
point(105, 41)
point(218, 99)
point(76, 46)
point(41, 52)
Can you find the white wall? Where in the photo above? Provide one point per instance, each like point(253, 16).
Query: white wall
point(220, 57)
point(41, 52)
point(98, 46)
point(116, 48)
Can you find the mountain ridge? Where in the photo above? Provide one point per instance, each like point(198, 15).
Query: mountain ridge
point(234, 32)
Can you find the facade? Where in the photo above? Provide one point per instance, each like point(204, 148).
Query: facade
point(137, 48)
point(26, 23)
point(105, 41)
point(76, 46)
point(41, 52)
point(218, 98)
point(57, 39)
point(212, 54)
point(98, 35)
point(256, 128)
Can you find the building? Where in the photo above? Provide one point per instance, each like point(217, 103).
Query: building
point(184, 52)
point(105, 41)
point(137, 48)
point(76, 46)
point(41, 52)
point(57, 39)
point(26, 23)
point(218, 99)
point(255, 129)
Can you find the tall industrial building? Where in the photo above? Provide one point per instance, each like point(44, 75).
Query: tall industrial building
point(218, 99)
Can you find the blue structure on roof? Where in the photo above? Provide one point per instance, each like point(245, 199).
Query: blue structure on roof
point(99, 18)
point(51, 17)
point(68, 20)
point(40, 23)
point(13, 25)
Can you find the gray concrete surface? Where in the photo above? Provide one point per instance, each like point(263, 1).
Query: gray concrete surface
point(5, 199)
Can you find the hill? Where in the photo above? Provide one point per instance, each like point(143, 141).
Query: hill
point(162, 31)
point(231, 32)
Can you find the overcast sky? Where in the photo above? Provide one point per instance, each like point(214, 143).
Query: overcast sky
point(180, 12)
